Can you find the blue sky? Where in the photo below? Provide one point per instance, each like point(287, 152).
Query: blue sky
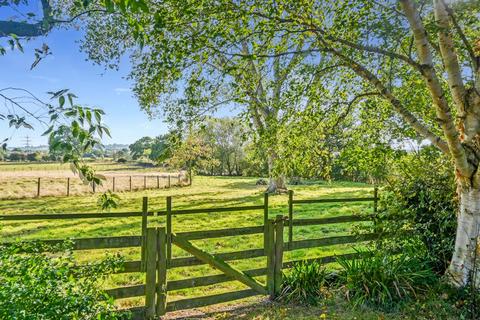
point(94, 85)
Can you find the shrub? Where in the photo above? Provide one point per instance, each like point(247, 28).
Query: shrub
point(382, 279)
point(122, 160)
point(418, 207)
point(305, 283)
point(39, 285)
point(108, 201)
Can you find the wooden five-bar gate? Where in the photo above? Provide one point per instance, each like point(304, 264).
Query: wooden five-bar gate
point(156, 245)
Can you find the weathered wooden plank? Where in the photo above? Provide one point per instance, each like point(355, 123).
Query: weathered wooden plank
point(323, 260)
point(277, 275)
point(169, 228)
point(290, 215)
point(161, 304)
point(219, 264)
point(207, 234)
point(131, 266)
point(144, 229)
point(331, 220)
point(150, 272)
point(265, 218)
point(334, 200)
point(270, 253)
point(228, 256)
point(209, 300)
point(220, 209)
point(322, 242)
point(68, 216)
point(209, 280)
point(89, 243)
point(127, 292)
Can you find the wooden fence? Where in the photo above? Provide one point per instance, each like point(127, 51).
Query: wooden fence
point(156, 252)
point(55, 186)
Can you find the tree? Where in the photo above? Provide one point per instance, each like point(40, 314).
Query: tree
point(190, 79)
point(422, 61)
point(192, 153)
point(226, 138)
point(141, 147)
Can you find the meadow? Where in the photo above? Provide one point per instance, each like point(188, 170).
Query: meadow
point(206, 192)
point(20, 180)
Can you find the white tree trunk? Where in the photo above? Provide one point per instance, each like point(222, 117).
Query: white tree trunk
point(276, 182)
point(466, 257)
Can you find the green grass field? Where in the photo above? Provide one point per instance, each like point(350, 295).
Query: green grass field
point(206, 192)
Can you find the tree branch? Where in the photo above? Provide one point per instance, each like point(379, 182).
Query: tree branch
point(435, 88)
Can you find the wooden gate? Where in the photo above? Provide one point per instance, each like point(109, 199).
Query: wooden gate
point(157, 264)
point(158, 259)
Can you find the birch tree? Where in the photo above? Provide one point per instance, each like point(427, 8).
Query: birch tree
point(423, 59)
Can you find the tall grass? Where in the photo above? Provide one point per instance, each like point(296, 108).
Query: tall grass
point(382, 279)
point(305, 283)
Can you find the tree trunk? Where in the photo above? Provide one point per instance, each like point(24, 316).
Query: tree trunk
point(276, 182)
point(466, 257)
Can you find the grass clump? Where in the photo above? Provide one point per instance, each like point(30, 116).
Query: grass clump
point(380, 279)
point(306, 283)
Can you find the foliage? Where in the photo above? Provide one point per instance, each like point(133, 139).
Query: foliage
point(191, 154)
point(41, 285)
point(419, 208)
point(108, 200)
point(305, 283)
point(157, 149)
point(226, 137)
point(80, 134)
point(382, 279)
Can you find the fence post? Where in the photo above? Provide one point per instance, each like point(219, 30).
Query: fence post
point(150, 275)
point(130, 183)
point(144, 182)
point(162, 272)
point(113, 184)
point(38, 188)
point(179, 181)
point(270, 253)
point(265, 218)
point(68, 187)
point(290, 217)
point(169, 184)
point(169, 228)
point(158, 182)
point(93, 186)
point(144, 230)
point(278, 255)
point(375, 200)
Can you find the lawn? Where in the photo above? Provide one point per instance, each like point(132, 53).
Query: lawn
point(206, 192)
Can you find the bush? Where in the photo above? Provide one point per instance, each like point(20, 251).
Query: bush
point(122, 160)
point(382, 279)
point(418, 206)
point(108, 200)
point(38, 285)
point(305, 283)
